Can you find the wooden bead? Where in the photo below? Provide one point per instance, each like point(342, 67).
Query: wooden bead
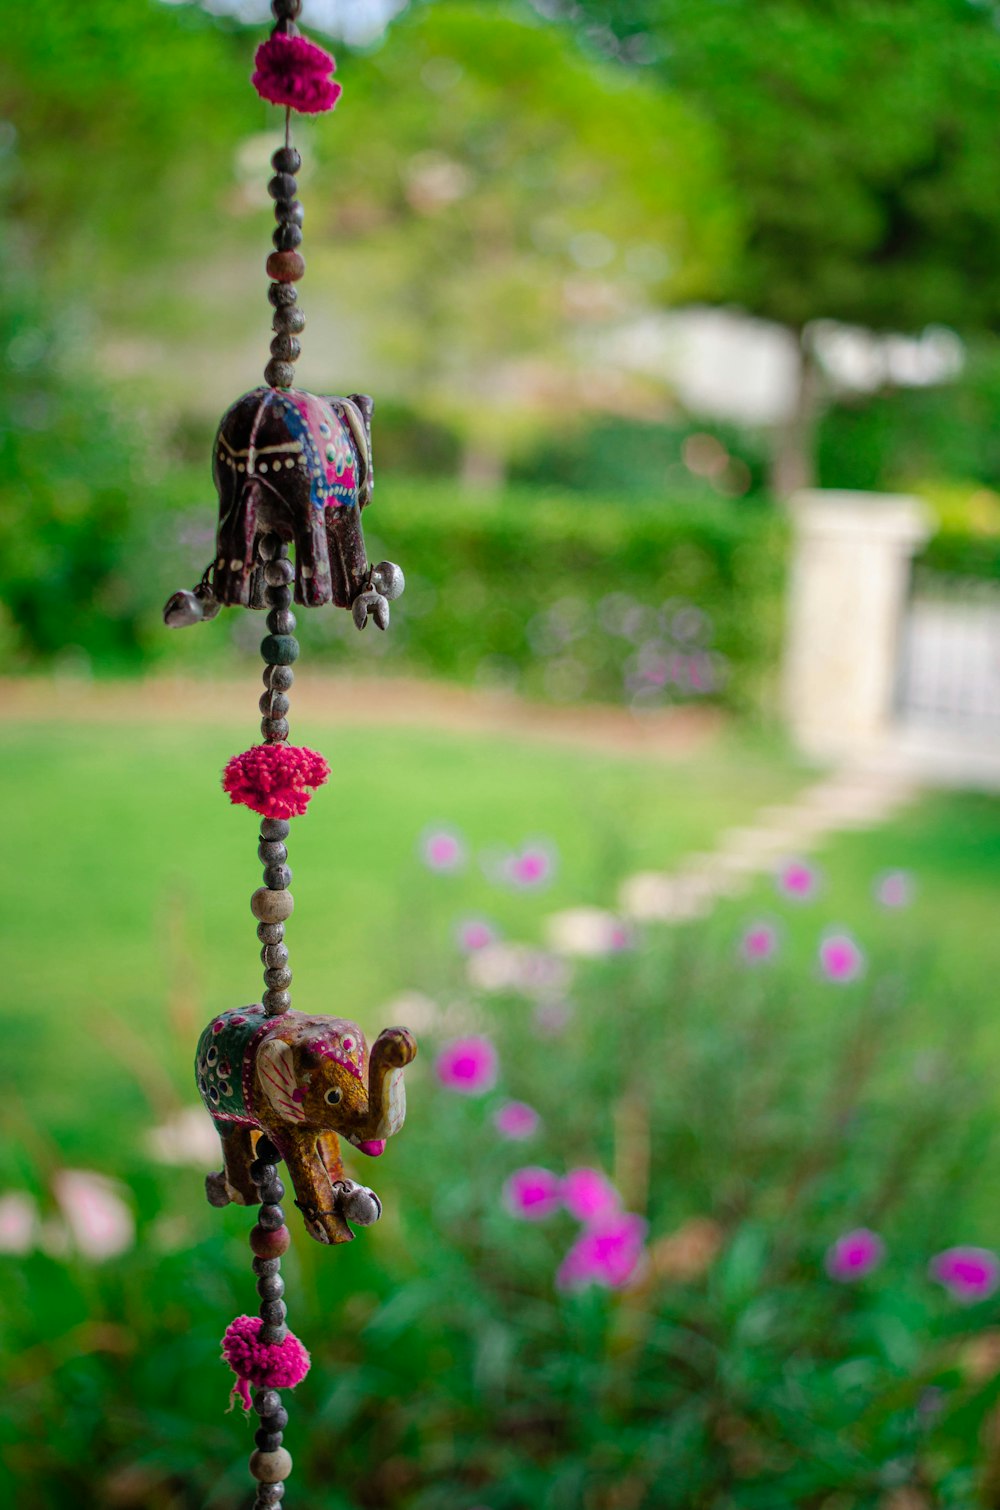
point(271, 1467)
point(269, 1244)
point(279, 374)
point(272, 906)
point(289, 317)
point(286, 267)
point(286, 348)
point(276, 1002)
point(278, 979)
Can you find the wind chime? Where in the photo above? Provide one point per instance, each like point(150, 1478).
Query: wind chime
point(295, 469)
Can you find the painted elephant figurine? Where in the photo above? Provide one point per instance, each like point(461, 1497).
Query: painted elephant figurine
point(303, 1080)
point(298, 466)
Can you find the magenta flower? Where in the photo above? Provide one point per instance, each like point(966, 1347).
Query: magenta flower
point(798, 880)
point(759, 943)
point(473, 934)
point(532, 1193)
point(589, 1196)
point(605, 1254)
point(469, 1066)
point(516, 1120)
point(968, 1274)
point(532, 868)
point(840, 958)
point(894, 888)
point(292, 71)
point(442, 850)
point(854, 1255)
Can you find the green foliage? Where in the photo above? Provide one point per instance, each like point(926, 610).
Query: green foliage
point(859, 137)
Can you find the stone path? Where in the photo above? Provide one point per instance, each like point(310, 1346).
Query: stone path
point(857, 795)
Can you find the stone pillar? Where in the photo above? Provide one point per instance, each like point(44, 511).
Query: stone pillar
point(849, 582)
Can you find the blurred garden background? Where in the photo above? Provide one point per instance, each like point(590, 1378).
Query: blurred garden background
point(696, 1203)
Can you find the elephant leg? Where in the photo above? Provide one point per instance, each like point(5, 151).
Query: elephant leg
point(312, 562)
point(347, 552)
point(234, 549)
point(355, 1202)
point(232, 1182)
point(314, 1193)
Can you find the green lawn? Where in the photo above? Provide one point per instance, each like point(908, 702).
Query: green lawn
point(133, 875)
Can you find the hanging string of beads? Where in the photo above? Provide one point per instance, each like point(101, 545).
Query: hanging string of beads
point(283, 1086)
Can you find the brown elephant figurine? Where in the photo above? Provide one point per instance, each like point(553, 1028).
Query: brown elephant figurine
point(299, 466)
point(303, 1080)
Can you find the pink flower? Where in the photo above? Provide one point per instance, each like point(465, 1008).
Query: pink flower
point(589, 1196)
point(854, 1255)
point(894, 888)
point(516, 1120)
point(532, 868)
point(968, 1274)
point(443, 850)
point(605, 1254)
point(293, 71)
point(840, 958)
point(532, 1193)
point(759, 943)
point(18, 1222)
point(474, 933)
point(798, 880)
point(100, 1223)
point(468, 1065)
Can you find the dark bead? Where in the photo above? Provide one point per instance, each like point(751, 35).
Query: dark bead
point(273, 956)
point(273, 1312)
point(276, 1419)
point(278, 979)
point(267, 1441)
point(282, 295)
point(286, 348)
point(289, 212)
point(269, 1495)
point(271, 1287)
point(272, 1193)
point(279, 374)
point(267, 1266)
point(278, 597)
point(272, 851)
point(277, 877)
point(271, 1217)
point(270, 933)
point(269, 1242)
point(286, 237)
point(285, 267)
point(267, 1151)
point(275, 828)
point(282, 186)
point(263, 1171)
point(279, 649)
point(274, 732)
point(281, 678)
point(286, 160)
point(289, 317)
point(276, 1001)
point(267, 1402)
point(281, 620)
point(269, 546)
point(285, 10)
point(279, 573)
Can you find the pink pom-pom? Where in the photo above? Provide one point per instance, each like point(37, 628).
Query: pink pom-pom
point(293, 71)
point(274, 780)
point(274, 1365)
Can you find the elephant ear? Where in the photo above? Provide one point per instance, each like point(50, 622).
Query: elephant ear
point(276, 1075)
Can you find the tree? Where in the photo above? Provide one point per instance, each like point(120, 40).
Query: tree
point(495, 195)
point(860, 137)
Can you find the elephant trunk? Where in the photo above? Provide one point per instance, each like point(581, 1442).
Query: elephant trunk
point(391, 1052)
